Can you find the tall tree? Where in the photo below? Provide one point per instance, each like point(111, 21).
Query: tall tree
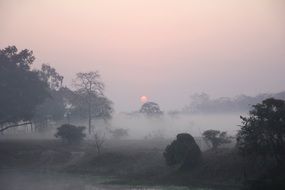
point(21, 89)
point(54, 107)
point(90, 99)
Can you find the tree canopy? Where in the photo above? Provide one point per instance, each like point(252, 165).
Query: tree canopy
point(54, 107)
point(51, 77)
point(151, 109)
point(21, 89)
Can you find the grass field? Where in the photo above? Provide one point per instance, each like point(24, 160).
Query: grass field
point(126, 162)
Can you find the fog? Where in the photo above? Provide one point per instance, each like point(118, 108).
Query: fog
point(141, 127)
point(142, 94)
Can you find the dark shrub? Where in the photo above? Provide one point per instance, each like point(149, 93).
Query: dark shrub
point(70, 133)
point(183, 152)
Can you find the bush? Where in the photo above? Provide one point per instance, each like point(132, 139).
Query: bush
point(70, 133)
point(183, 152)
point(263, 131)
point(262, 134)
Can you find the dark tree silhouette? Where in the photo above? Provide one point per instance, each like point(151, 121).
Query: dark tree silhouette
point(90, 101)
point(54, 107)
point(21, 89)
point(263, 131)
point(151, 109)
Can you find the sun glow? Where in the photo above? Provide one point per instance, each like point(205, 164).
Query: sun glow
point(143, 99)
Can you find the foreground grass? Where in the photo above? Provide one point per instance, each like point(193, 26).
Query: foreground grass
point(136, 162)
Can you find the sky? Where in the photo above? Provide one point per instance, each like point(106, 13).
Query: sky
point(163, 49)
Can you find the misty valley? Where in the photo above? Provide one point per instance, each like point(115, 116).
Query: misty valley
point(142, 95)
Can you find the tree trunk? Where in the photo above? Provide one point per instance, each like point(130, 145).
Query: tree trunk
point(89, 119)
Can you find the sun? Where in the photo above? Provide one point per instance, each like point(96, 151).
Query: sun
point(143, 99)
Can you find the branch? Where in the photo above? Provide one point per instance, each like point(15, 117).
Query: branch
point(15, 125)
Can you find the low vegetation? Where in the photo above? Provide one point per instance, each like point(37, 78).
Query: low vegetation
point(70, 134)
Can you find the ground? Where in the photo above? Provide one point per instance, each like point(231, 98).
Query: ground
point(125, 161)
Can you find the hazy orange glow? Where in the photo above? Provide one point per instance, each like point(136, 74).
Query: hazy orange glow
point(143, 99)
point(167, 49)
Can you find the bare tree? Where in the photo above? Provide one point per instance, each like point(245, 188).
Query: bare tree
point(89, 87)
point(99, 141)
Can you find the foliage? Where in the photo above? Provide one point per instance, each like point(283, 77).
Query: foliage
point(70, 134)
point(21, 89)
point(263, 131)
point(183, 151)
point(151, 109)
point(216, 138)
point(53, 108)
point(51, 77)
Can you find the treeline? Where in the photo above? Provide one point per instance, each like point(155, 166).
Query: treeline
point(203, 103)
point(38, 97)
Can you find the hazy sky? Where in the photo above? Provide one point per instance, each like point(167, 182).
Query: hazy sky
point(164, 49)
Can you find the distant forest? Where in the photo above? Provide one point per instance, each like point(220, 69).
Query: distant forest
point(203, 103)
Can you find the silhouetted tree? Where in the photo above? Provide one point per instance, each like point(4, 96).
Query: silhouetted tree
point(216, 138)
point(21, 89)
point(263, 131)
point(151, 109)
point(90, 101)
point(70, 134)
point(183, 152)
point(54, 107)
